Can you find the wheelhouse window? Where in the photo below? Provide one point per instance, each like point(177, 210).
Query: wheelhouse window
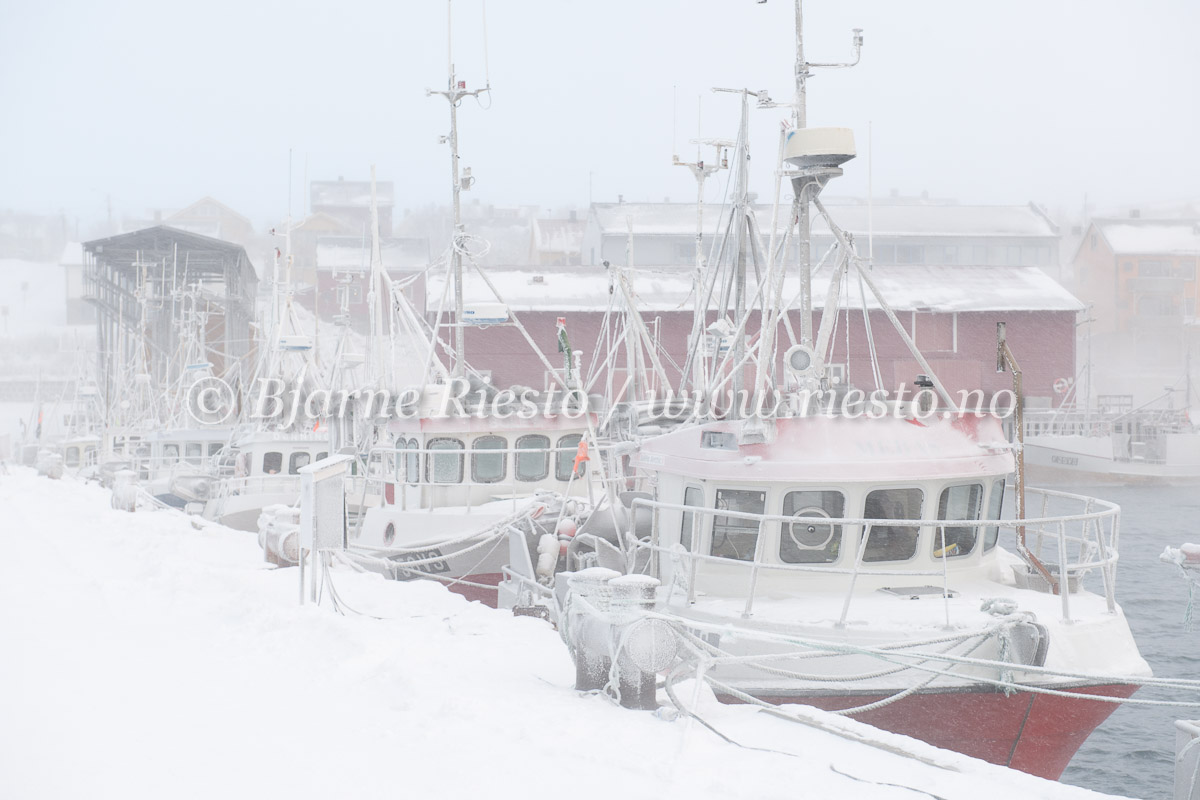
point(170, 453)
point(272, 463)
point(991, 534)
point(214, 448)
point(958, 503)
point(72, 459)
point(533, 464)
point(808, 538)
point(692, 496)
point(892, 542)
point(321, 456)
point(564, 458)
point(413, 466)
point(737, 537)
point(489, 467)
point(298, 460)
point(445, 461)
point(194, 452)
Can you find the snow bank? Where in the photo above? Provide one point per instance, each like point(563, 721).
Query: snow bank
point(146, 657)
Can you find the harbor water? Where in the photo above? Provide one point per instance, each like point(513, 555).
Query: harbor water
point(1132, 753)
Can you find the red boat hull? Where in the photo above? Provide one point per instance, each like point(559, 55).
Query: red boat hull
point(489, 596)
point(1035, 733)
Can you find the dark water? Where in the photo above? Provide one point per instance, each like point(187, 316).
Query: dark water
point(1133, 752)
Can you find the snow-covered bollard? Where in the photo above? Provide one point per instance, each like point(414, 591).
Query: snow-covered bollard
point(279, 535)
point(50, 465)
point(125, 490)
point(588, 605)
point(645, 645)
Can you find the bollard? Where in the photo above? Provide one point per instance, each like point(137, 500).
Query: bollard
point(632, 597)
point(124, 490)
point(589, 632)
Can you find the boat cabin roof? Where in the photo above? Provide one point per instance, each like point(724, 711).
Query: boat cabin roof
point(838, 449)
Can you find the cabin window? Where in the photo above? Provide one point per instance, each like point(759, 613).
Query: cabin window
point(170, 453)
point(489, 467)
point(892, 542)
point(214, 448)
point(809, 539)
point(692, 496)
point(445, 461)
point(298, 460)
point(272, 463)
point(991, 534)
point(958, 503)
point(736, 537)
point(414, 462)
point(321, 456)
point(89, 456)
point(72, 459)
point(534, 463)
point(194, 452)
point(564, 459)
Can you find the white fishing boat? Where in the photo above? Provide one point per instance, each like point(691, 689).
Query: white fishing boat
point(848, 554)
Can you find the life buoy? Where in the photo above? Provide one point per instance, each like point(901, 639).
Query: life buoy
point(1061, 385)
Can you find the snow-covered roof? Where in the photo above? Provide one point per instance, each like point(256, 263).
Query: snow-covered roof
point(892, 220)
point(908, 288)
point(349, 193)
point(351, 254)
point(1151, 236)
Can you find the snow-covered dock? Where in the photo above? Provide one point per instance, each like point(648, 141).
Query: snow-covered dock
point(145, 657)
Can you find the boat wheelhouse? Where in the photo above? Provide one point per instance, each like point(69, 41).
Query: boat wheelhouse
point(856, 565)
point(259, 470)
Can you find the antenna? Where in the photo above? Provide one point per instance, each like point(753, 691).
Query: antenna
point(455, 91)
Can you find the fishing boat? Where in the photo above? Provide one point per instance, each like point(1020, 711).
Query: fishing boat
point(843, 549)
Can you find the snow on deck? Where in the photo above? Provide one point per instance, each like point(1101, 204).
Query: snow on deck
point(146, 657)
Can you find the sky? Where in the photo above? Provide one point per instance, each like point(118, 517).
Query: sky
point(154, 104)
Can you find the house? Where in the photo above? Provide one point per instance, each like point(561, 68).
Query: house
point(557, 242)
point(889, 233)
point(1139, 275)
point(214, 219)
point(950, 310)
point(343, 265)
point(349, 202)
point(79, 311)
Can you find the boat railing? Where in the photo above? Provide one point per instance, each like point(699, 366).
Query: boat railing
point(1068, 545)
point(259, 484)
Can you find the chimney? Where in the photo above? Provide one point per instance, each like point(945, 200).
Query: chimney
point(1135, 213)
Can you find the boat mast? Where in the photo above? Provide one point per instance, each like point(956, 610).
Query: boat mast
point(455, 91)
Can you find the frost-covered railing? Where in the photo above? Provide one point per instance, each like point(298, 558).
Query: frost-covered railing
point(1069, 545)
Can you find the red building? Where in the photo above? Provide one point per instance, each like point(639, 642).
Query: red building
point(950, 311)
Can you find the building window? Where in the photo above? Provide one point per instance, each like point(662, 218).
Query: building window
point(995, 502)
point(1157, 305)
point(272, 463)
point(1186, 269)
point(979, 255)
point(692, 496)
point(533, 458)
point(736, 537)
point(892, 542)
point(934, 332)
point(297, 460)
point(1189, 307)
point(489, 467)
point(957, 503)
point(809, 539)
point(444, 464)
point(1154, 269)
point(564, 459)
point(884, 254)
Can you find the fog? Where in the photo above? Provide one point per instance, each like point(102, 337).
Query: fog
point(153, 106)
